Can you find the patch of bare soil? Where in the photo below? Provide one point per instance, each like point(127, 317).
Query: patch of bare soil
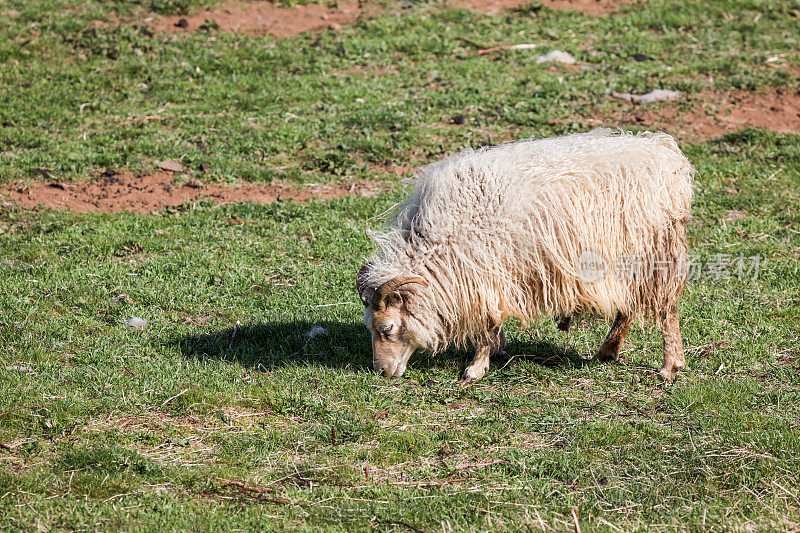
point(144, 194)
point(716, 113)
point(397, 170)
point(590, 7)
point(266, 18)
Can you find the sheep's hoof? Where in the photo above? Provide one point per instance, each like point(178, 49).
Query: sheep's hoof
point(669, 371)
point(471, 375)
point(606, 355)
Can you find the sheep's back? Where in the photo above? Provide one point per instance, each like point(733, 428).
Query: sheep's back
point(600, 190)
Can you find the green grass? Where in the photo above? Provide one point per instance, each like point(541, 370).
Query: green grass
point(195, 423)
point(337, 105)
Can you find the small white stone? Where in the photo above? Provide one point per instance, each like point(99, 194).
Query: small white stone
point(20, 368)
point(316, 331)
point(658, 95)
point(136, 323)
point(556, 56)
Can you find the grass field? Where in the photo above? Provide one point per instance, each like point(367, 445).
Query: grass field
point(197, 423)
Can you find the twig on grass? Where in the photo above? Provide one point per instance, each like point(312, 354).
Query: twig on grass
point(233, 335)
point(508, 362)
point(115, 496)
point(141, 119)
point(712, 344)
point(639, 409)
point(307, 481)
point(471, 43)
point(539, 517)
point(427, 483)
point(784, 489)
point(258, 494)
point(575, 520)
point(480, 465)
point(51, 400)
point(181, 393)
point(400, 523)
point(538, 359)
point(607, 523)
point(524, 46)
point(188, 320)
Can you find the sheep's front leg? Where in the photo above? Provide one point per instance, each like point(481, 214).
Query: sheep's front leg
point(673, 348)
point(491, 343)
point(609, 351)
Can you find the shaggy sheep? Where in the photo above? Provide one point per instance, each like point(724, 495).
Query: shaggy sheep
point(590, 222)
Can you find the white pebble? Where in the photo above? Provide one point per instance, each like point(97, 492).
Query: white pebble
point(316, 331)
point(659, 95)
point(136, 323)
point(556, 56)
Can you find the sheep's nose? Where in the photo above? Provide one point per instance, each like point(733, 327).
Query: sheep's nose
point(382, 369)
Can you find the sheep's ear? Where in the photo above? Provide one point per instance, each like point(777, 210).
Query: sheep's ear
point(364, 292)
point(395, 299)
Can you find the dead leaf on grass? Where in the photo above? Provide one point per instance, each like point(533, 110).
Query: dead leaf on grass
point(733, 214)
point(170, 165)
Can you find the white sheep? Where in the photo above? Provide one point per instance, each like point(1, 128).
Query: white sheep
point(590, 222)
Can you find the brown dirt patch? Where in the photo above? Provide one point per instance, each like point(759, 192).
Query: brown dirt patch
point(265, 18)
point(590, 7)
point(714, 113)
point(397, 170)
point(148, 193)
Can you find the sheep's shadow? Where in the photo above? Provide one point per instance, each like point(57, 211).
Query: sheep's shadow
point(269, 345)
point(542, 352)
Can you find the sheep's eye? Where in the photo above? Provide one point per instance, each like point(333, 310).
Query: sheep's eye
point(388, 329)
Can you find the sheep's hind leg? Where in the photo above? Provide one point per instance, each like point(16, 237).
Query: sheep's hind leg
point(564, 323)
point(673, 348)
point(491, 343)
point(609, 351)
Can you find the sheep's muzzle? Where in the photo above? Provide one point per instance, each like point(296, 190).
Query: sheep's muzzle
point(389, 358)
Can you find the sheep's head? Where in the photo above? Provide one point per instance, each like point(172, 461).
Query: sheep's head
point(389, 314)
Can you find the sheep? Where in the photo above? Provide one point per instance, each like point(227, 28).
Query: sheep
point(584, 223)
